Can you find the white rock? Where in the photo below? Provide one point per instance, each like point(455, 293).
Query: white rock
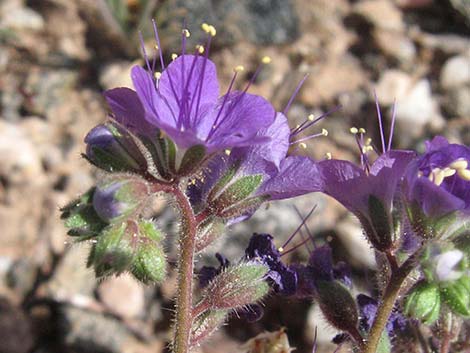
point(381, 13)
point(22, 18)
point(393, 84)
point(123, 296)
point(455, 72)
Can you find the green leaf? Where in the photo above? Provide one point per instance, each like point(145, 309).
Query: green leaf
point(238, 191)
point(457, 296)
point(192, 160)
point(223, 181)
point(423, 302)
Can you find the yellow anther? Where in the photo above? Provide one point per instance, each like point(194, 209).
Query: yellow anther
point(266, 60)
point(303, 145)
point(297, 126)
point(186, 33)
point(353, 130)
point(174, 56)
point(362, 130)
point(431, 176)
point(328, 155)
point(157, 75)
point(238, 68)
point(205, 27)
point(368, 141)
point(464, 174)
point(156, 47)
point(439, 177)
point(280, 249)
point(227, 152)
point(420, 174)
point(459, 164)
point(324, 132)
point(311, 117)
point(212, 31)
point(200, 49)
point(448, 172)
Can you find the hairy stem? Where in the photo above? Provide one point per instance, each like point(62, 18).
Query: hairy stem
point(388, 302)
point(184, 299)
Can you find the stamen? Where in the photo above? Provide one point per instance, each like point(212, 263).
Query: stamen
point(353, 130)
point(266, 60)
point(304, 220)
point(303, 145)
point(311, 117)
point(379, 117)
point(157, 75)
point(328, 155)
point(464, 174)
point(448, 172)
point(438, 177)
point(238, 68)
point(227, 152)
point(292, 97)
point(459, 164)
point(144, 52)
point(186, 33)
point(155, 31)
point(324, 132)
point(392, 125)
point(209, 29)
point(362, 130)
point(174, 56)
point(312, 121)
point(199, 48)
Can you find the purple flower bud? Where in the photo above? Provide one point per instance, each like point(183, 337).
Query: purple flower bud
point(118, 197)
point(439, 181)
point(112, 148)
point(447, 265)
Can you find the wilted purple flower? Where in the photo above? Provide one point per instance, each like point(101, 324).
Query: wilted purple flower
point(261, 248)
point(183, 101)
point(320, 267)
point(207, 273)
point(368, 309)
point(368, 191)
point(439, 181)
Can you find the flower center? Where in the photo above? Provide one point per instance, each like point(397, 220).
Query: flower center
point(457, 167)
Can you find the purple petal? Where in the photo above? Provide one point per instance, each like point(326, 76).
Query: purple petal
point(128, 109)
point(297, 176)
point(237, 122)
point(436, 143)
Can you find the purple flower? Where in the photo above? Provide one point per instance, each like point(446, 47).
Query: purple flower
point(282, 176)
point(184, 103)
point(261, 248)
point(439, 181)
point(368, 309)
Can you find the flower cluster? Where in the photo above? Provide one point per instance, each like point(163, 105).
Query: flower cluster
point(220, 157)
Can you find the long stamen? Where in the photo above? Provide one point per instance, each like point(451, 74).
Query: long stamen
point(144, 52)
point(292, 97)
point(155, 31)
point(285, 252)
point(324, 132)
point(201, 76)
point(392, 125)
point(379, 117)
point(299, 227)
point(214, 126)
point(310, 121)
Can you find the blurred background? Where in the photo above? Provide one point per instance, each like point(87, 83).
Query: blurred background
point(57, 57)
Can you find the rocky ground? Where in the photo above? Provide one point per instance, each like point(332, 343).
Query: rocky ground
point(57, 56)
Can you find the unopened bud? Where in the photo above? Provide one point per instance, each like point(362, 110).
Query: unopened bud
point(208, 231)
point(81, 218)
point(149, 264)
point(423, 302)
point(237, 286)
point(118, 197)
point(457, 296)
point(206, 324)
point(337, 304)
point(112, 148)
point(113, 251)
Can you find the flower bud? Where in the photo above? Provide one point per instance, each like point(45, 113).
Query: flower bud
point(81, 218)
point(149, 264)
point(118, 197)
point(112, 148)
point(237, 286)
point(337, 304)
point(206, 324)
point(457, 296)
point(423, 302)
point(113, 252)
point(208, 231)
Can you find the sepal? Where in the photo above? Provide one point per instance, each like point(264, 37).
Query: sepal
point(206, 324)
point(457, 296)
point(423, 302)
point(208, 231)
